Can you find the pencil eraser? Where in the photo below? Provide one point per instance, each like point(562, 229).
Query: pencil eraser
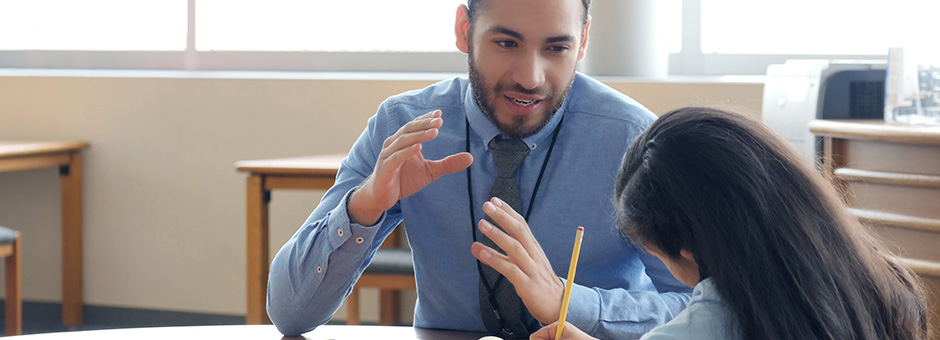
point(580, 228)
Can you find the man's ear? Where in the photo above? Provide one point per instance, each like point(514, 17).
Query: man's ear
point(462, 28)
point(584, 38)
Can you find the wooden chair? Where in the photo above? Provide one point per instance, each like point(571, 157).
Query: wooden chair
point(391, 271)
point(10, 249)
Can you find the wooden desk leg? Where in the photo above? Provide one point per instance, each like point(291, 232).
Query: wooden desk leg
point(352, 307)
point(71, 178)
point(389, 302)
point(14, 290)
point(257, 227)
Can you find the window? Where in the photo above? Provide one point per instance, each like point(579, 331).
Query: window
point(814, 26)
point(303, 25)
point(744, 36)
point(93, 25)
point(718, 37)
point(314, 35)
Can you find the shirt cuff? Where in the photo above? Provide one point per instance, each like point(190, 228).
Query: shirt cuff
point(344, 229)
point(583, 308)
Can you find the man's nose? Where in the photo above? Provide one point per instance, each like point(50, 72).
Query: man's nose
point(529, 71)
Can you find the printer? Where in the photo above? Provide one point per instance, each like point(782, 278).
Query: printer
point(799, 91)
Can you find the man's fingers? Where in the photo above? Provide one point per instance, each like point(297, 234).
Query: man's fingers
point(450, 164)
point(431, 114)
point(426, 121)
point(501, 263)
point(407, 140)
point(397, 158)
point(419, 130)
point(510, 221)
point(405, 137)
point(507, 209)
point(516, 252)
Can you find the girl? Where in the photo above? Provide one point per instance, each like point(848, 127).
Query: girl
point(765, 240)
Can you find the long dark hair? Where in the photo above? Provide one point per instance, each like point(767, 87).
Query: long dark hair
point(771, 233)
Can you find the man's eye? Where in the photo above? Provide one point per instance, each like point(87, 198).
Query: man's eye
point(558, 49)
point(506, 43)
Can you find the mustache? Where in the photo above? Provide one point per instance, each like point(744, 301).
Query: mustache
point(515, 87)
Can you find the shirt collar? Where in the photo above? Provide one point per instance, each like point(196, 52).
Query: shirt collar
point(705, 290)
point(486, 130)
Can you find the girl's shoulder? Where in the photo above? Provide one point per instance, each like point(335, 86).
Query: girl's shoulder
point(706, 317)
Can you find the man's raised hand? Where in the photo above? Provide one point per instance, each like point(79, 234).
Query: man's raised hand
point(401, 170)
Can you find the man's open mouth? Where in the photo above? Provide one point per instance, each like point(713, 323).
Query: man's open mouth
point(523, 102)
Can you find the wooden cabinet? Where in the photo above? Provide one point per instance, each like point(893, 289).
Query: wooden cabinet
point(890, 176)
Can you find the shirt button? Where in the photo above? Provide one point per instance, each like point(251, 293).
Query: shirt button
point(359, 240)
point(319, 269)
point(340, 232)
point(534, 145)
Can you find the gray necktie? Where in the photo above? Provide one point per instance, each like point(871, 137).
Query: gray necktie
point(505, 319)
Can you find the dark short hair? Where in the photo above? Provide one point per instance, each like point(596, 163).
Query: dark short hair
point(475, 6)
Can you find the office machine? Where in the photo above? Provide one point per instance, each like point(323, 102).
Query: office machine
point(799, 91)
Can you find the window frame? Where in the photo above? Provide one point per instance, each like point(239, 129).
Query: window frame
point(689, 61)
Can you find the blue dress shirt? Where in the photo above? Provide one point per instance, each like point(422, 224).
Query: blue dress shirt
point(621, 291)
point(708, 317)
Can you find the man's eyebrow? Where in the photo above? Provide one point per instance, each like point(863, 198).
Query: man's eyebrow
point(561, 38)
point(514, 34)
point(506, 31)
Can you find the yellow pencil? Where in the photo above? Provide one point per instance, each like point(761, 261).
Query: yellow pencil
point(571, 269)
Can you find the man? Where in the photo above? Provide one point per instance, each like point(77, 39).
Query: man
point(427, 157)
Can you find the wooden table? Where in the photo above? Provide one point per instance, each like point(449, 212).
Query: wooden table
point(315, 172)
point(261, 332)
point(27, 155)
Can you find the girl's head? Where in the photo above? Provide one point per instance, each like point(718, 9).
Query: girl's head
point(698, 173)
point(719, 195)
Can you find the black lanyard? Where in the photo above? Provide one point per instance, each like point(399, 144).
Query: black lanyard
point(473, 220)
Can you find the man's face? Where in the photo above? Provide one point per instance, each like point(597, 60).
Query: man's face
point(522, 56)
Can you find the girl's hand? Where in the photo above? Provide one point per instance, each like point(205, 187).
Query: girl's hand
point(570, 333)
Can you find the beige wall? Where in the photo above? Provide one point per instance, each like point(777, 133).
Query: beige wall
point(164, 207)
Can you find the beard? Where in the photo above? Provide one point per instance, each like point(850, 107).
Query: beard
point(517, 128)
